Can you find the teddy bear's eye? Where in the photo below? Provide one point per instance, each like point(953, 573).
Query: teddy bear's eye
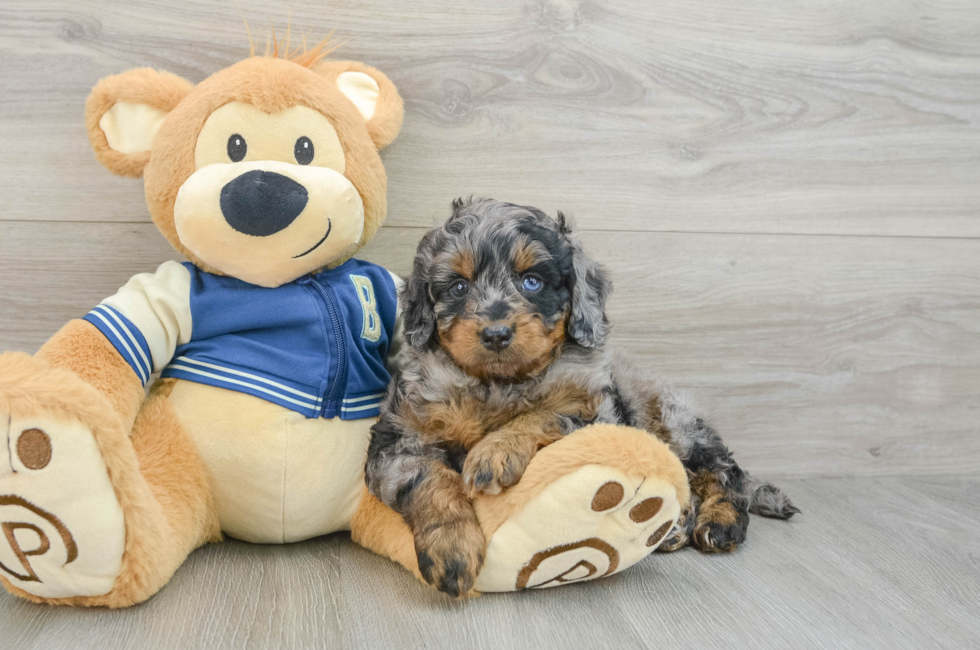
point(237, 148)
point(303, 151)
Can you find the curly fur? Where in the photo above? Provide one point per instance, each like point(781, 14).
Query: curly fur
point(484, 412)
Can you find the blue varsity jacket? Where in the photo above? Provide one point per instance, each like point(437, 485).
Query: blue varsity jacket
point(317, 345)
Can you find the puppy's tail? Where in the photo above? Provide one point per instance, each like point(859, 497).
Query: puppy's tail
point(766, 499)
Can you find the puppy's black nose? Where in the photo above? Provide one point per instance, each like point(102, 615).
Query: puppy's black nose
point(262, 203)
point(496, 337)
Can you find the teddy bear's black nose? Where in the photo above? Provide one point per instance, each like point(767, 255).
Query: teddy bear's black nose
point(262, 203)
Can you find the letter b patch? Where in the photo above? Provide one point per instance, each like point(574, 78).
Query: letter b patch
point(371, 331)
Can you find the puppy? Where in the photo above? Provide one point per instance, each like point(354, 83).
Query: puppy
point(506, 325)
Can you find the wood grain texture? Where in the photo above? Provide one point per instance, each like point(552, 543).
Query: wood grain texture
point(815, 356)
point(788, 195)
point(763, 116)
point(871, 563)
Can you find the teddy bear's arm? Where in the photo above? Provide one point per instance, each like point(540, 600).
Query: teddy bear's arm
point(81, 348)
point(129, 336)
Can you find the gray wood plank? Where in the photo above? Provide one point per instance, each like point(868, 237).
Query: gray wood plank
point(682, 135)
point(871, 563)
point(815, 356)
point(828, 356)
point(836, 117)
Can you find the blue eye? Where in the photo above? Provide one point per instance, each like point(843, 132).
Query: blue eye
point(532, 283)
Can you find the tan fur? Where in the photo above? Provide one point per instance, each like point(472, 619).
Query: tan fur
point(506, 452)
point(156, 473)
point(629, 450)
point(158, 535)
point(714, 507)
point(81, 348)
point(463, 264)
point(270, 84)
point(281, 49)
point(655, 421)
point(378, 528)
point(386, 122)
point(534, 347)
point(462, 422)
point(570, 399)
point(462, 341)
point(465, 420)
point(450, 528)
point(174, 470)
point(156, 88)
point(525, 255)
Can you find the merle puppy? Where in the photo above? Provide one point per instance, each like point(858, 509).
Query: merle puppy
point(506, 325)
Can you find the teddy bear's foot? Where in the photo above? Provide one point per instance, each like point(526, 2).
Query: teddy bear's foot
point(61, 526)
point(589, 506)
point(63, 531)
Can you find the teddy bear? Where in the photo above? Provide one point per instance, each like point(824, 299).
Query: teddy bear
point(273, 346)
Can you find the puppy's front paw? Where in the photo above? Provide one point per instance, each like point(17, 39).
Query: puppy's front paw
point(450, 555)
point(493, 465)
point(721, 526)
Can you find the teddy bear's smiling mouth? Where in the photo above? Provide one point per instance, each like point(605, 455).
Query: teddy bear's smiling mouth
point(317, 245)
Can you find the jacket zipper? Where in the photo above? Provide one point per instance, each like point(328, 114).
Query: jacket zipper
point(340, 377)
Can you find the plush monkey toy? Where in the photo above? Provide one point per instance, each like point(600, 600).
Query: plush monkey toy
point(273, 347)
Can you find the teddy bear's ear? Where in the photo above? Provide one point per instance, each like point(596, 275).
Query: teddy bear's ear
point(376, 98)
point(123, 113)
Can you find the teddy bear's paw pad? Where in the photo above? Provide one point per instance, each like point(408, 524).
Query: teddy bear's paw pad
point(61, 526)
point(590, 523)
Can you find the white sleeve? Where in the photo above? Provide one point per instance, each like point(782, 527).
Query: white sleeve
point(397, 348)
point(148, 318)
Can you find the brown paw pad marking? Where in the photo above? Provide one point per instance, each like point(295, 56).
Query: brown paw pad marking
point(34, 449)
point(581, 570)
point(44, 541)
point(609, 495)
point(660, 533)
point(646, 509)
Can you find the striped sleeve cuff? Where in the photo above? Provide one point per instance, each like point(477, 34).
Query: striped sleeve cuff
point(126, 338)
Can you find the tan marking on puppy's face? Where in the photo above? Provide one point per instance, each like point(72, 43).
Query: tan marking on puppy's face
point(525, 255)
point(463, 264)
point(511, 281)
point(532, 349)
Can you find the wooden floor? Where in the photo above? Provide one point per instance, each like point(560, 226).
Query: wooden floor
point(788, 196)
point(872, 563)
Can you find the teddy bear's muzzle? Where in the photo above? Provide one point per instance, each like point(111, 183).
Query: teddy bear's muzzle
point(268, 222)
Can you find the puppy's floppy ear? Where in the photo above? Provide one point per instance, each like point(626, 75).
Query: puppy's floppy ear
point(591, 287)
point(124, 112)
point(372, 93)
point(419, 309)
